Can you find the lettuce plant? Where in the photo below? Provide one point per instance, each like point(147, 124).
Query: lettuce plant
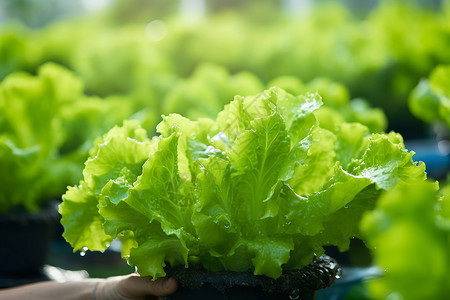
point(262, 187)
point(409, 232)
point(30, 133)
point(430, 100)
point(207, 90)
point(47, 126)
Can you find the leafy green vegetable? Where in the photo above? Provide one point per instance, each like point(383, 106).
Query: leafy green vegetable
point(338, 108)
point(15, 49)
point(430, 100)
point(263, 187)
point(30, 133)
point(47, 126)
point(207, 90)
point(409, 232)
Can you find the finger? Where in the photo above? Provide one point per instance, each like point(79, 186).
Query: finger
point(136, 286)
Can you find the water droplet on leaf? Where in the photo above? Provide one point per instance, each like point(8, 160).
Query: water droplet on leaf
point(295, 294)
point(83, 251)
point(314, 257)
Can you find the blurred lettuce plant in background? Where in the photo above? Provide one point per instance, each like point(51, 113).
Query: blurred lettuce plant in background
point(379, 55)
point(430, 99)
point(409, 231)
point(47, 127)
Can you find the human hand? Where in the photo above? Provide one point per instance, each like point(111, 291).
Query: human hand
point(133, 287)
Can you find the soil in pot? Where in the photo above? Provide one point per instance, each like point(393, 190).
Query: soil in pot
point(301, 284)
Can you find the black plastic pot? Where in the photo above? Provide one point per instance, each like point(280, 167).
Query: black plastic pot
point(292, 284)
point(25, 239)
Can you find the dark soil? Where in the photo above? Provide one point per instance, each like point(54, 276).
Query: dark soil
point(292, 284)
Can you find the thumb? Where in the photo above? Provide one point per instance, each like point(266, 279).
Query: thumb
point(135, 287)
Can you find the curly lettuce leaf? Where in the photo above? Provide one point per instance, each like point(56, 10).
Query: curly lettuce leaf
point(207, 90)
point(22, 167)
point(83, 225)
point(30, 105)
point(338, 107)
point(156, 249)
point(114, 165)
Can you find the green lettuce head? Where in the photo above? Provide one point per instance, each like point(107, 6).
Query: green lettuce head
point(430, 99)
point(409, 232)
point(47, 126)
point(263, 187)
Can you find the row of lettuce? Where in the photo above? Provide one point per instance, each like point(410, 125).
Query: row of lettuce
point(380, 57)
point(48, 123)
